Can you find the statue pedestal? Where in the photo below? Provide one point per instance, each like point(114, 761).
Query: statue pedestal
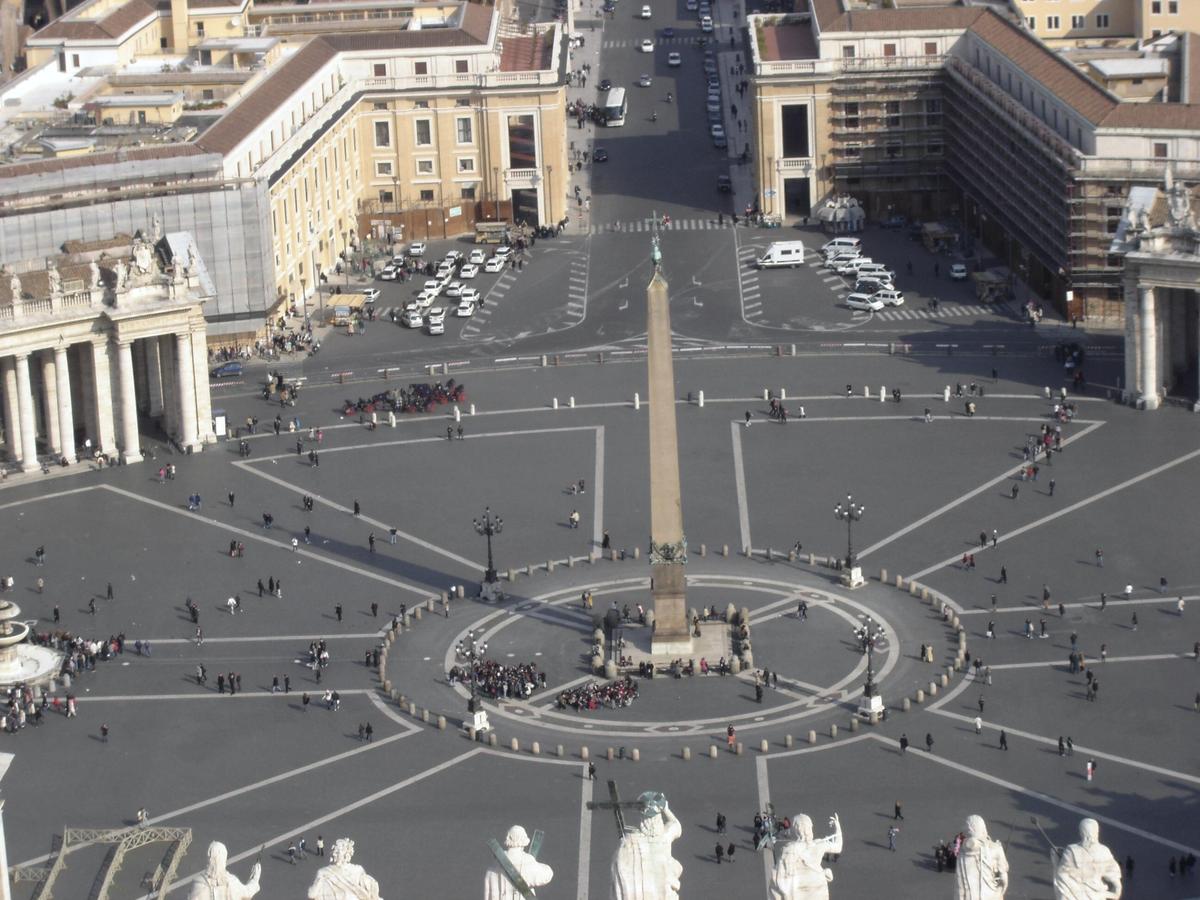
point(672, 632)
point(871, 708)
point(478, 721)
point(490, 591)
point(853, 578)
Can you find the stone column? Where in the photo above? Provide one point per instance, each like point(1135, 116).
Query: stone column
point(204, 430)
point(130, 449)
point(12, 409)
point(1148, 348)
point(102, 385)
point(170, 390)
point(29, 460)
point(154, 385)
point(185, 382)
point(82, 364)
point(66, 415)
point(50, 402)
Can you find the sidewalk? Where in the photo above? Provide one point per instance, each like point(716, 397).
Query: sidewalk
point(583, 139)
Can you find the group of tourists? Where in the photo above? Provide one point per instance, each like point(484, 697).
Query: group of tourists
point(498, 681)
point(596, 695)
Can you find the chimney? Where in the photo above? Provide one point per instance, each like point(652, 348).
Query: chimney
point(179, 26)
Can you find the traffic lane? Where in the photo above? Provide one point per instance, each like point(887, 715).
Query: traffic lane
point(546, 295)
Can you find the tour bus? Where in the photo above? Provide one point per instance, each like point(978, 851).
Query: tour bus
point(491, 232)
point(346, 308)
point(615, 107)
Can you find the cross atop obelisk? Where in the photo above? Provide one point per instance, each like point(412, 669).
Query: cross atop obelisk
point(668, 545)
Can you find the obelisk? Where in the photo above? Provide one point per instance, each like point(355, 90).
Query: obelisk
point(668, 546)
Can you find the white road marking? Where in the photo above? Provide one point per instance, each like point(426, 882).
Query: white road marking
point(598, 491)
point(739, 474)
point(1067, 510)
point(585, 837)
point(1095, 660)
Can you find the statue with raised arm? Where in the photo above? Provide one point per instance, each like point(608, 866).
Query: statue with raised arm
point(798, 873)
point(93, 275)
point(342, 879)
point(120, 275)
point(215, 882)
point(982, 869)
point(53, 279)
point(14, 282)
point(1087, 870)
point(498, 885)
point(642, 867)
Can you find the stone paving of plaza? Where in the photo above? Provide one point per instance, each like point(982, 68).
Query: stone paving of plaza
point(258, 770)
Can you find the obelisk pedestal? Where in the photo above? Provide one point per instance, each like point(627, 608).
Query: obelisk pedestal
point(668, 547)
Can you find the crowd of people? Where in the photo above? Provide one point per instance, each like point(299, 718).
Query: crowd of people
point(595, 695)
point(499, 681)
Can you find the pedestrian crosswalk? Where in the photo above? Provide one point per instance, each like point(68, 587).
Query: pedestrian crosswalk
point(647, 224)
point(493, 296)
point(675, 41)
point(944, 309)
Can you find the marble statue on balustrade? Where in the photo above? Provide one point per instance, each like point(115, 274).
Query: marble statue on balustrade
point(982, 869)
point(93, 275)
point(155, 229)
point(193, 261)
point(343, 879)
point(798, 873)
point(498, 886)
point(1086, 870)
point(215, 882)
point(143, 255)
point(14, 282)
point(120, 275)
point(642, 867)
point(53, 278)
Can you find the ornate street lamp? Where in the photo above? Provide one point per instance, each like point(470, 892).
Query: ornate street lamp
point(489, 525)
point(850, 512)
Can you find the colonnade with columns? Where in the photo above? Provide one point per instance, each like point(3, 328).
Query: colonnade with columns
point(86, 393)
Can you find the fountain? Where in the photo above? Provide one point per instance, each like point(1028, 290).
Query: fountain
point(20, 661)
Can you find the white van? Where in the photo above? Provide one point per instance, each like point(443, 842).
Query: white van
point(842, 244)
point(782, 253)
point(876, 270)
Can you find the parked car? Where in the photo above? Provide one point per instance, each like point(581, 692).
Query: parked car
point(416, 248)
point(646, 12)
point(227, 370)
point(438, 327)
point(599, 155)
point(866, 302)
point(436, 285)
point(724, 184)
point(958, 272)
point(851, 266)
point(436, 316)
point(647, 46)
point(477, 258)
point(412, 319)
point(495, 264)
point(425, 299)
point(465, 309)
point(717, 131)
point(674, 60)
point(605, 84)
point(890, 296)
point(470, 270)
point(504, 251)
point(706, 24)
point(872, 285)
point(390, 272)
point(454, 289)
point(469, 294)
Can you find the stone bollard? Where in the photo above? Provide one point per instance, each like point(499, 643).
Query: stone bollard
point(900, 582)
point(425, 715)
point(738, 748)
point(597, 663)
point(472, 409)
point(529, 569)
point(833, 731)
point(471, 735)
point(925, 594)
point(493, 740)
point(635, 755)
point(906, 704)
point(913, 587)
point(637, 402)
point(763, 746)
point(883, 576)
point(949, 672)
point(812, 559)
point(687, 754)
point(650, 618)
point(854, 723)
point(747, 659)
point(703, 550)
point(610, 670)
point(536, 749)
point(387, 686)
point(417, 614)
point(549, 565)
point(920, 698)
point(812, 737)
point(392, 419)
point(429, 605)
point(712, 751)
point(744, 618)
point(731, 614)
point(791, 556)
point(570, 562)
point(770, 554)
point(724, 549)
point(700, 399)
point(560, 751)
point(933, 689)
point(584, 753)
point(512, 575)
point(610, 754)
point(598, 636)
point(571, 402)
point(395, 695)
point(592, 557)
point(441, 723)
point(637, 552)
point(944, 680)
point(412, 709)
point(766, 394)
point(514, 745)
point(788, 741)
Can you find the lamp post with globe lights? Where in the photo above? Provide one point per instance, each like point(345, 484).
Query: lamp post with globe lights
point(488, 526)
point(850, 512)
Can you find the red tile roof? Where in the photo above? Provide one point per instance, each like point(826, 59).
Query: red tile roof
point(109, 157)
point(113, 25)
point(789, 40)
point(525, 53)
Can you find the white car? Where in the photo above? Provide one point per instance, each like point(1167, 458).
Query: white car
point(495, 264)
point(469, 294)
point(503, 251)
point(645, 81)
point(370, 295)
point(445, 271)
point(452, 256)
point(890, 297)
point(416, 248)
point(717, 131)
point(851, 266)
point(958, 272)
point(706, 24)
point(436, 316)
point(436, 327)
point(646, 12)
point(390, 272)
point(433, 284)
point(470, 270)
point(466, 308)
point(647, 46)
point(425, 299)
point(674, 60)
point(454, 289)
point(412, 319)
point(868, 302)
point(477, 258)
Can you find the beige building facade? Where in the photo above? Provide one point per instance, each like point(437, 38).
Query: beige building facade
point(1116, 20)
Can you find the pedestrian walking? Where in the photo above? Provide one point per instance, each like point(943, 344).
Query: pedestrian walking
point(1051, 487)
point(371, 542)
point(591, 771)
point(1003, 575)
point(720, 823)
point(1003, 739)
point(719, 853)
point(357, 508)
point(57, 614)
point(1133, 622)
point(104, 732)
point(108, 593)
point(305, 699)
point(893, 831)
point(1062, 746)
point(1070, 746)
point(1100, 557)
point(231, 499)
point(729, 851)
point(978, 725)
point(898, 811)
point(291, 852)
point(374, 610)
point(928, 742)
point(1091, 769)
point(747, 418)
point(320, 845)
point(904, 743)
point(730, 737)
point(337, 611)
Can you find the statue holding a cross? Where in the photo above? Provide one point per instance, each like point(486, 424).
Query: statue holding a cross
point(642, 867)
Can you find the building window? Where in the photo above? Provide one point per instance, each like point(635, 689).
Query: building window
point(1032, 23)
point(460, 66)
point(200, 29)
point(379, 69)
point(1160, 150)
point(893, 114)
point(851, 110)
point(889, 49)
point(383, 134)
point(1102, 21)
point(853, 151)
point(463, 101)
point(1078, 21)
point(522, 142)
point(420, 68)
point(427, 196)
point(424, 166)
point(1053, 23)
point(379, 107)
point(424, 132)
point(468, 192)
point(466, 164)
point(848, 51)
point(207, 94)
point(933, 149)
point(931, 48)
point(383, 169)
point(385, 197)
point(162, 43)
point(1173, 7)
point(1156, 7)
point(894, 149)
point(462, 131)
